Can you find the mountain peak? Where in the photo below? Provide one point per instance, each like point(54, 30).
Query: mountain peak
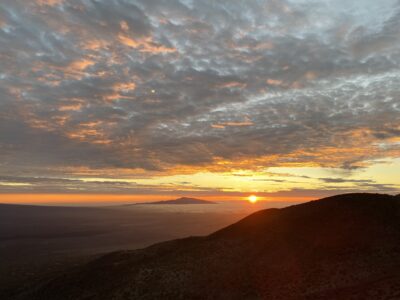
point(182, 200)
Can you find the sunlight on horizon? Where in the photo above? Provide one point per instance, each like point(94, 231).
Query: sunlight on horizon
point(252, 199)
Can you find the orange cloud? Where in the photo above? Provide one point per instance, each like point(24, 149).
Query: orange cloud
point(128, 41)
point(233, 124)
point(93, 136)
point(94, 44)
point(81, 65)
point(91, 132)
point(145, 45)
point(70, 107)
point(49, 2)
point(233, 84)
point(118, 88)
point(128, 86)
point(246, 123)
point(274, 82)
point(218, 126)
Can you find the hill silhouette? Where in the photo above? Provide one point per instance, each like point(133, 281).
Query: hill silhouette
point(341, 247)
point(182, 200)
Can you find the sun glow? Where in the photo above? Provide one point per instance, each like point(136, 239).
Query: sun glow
point(252, 199)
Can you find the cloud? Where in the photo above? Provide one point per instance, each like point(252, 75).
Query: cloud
point(345, 180)
point(177, 85)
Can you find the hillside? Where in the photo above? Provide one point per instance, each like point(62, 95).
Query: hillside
point(342, 247)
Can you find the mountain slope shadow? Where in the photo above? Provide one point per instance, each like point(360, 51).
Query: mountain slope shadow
point(342, 247)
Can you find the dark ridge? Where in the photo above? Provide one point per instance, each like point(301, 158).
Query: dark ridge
point(182, 200)
point(341, 247)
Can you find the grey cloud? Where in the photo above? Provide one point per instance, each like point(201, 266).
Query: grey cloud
point(140, 84)
point(344, 180)
point(361, 184)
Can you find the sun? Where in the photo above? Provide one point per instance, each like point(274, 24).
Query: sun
point(252, 198)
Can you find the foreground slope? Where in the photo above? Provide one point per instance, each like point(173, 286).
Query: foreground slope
point(342, 247)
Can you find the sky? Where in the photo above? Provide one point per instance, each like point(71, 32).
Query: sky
point(153, 99)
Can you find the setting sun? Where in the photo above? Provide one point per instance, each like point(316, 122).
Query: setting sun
point(252, 199)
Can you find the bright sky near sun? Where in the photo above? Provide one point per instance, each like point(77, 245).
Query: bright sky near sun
point(289, 99)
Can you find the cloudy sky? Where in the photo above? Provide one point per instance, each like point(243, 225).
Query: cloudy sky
point(154, 98)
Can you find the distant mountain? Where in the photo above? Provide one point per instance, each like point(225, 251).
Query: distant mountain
point(183, 200)
point(342, 247)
